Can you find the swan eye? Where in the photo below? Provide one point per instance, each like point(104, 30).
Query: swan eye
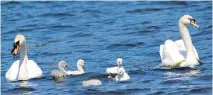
point(192, 19)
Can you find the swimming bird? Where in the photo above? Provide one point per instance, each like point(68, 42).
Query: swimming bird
point(119, 72)
point(180, 53)
point(22, 69)
point(122, 75)
point(61, 72)
point(113, 71)
point(91, 82)
point(80, 66)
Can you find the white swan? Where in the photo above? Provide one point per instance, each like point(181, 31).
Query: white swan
point(61, 72)
point(80, 66)
point(180, 53)
point(119, 71)
point(122, 75)
point(91, 82)
point(22, 69)
point(114, 70)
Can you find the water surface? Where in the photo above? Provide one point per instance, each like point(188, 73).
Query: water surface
point(99, 33)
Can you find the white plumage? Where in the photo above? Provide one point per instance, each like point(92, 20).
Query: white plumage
point(180, 53)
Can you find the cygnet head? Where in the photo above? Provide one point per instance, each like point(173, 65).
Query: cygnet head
point(80, 63)
point(119, 62)
point(19, 41)
point(121, 71)
point(187, 19)
point(62, 64)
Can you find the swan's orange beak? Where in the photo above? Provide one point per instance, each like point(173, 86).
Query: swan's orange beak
point(194, 23)
point(14, 51)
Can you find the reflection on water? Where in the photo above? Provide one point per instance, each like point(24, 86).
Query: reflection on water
point(172, 75)
point(22, 88)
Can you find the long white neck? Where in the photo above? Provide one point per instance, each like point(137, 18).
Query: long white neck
point(190, 55)
point(186, 38)
point(23, 54)
point(62, 69)
point(23, 73)
point(80, 69)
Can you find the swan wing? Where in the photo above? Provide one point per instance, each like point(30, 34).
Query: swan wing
point(12, 73)
point(57, 74)
point(112, 70)
point(33, 69)
point(182, 48)
point(73, 72)
point(170, 53)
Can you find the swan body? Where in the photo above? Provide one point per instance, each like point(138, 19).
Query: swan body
point(91, 82)
point(122, 75)
point(80, 66)
point(180, 53)
point(61, 72)
point(119, 72)
point(22, 69)
point(114, 70)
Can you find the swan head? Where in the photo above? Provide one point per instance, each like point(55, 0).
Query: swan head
point(80, 63)
point(121, 72)
point(62, 64)
point(19, 41)
point(119, 62)
point(187, 19)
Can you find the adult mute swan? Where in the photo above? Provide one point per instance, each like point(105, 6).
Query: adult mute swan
point(180, 53)
point(22, 69)
point(61, 72)
point(80, 66)
point(119, 72)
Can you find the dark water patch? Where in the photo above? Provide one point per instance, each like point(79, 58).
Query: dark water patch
point(20, 90)
point(208, 27)
point(136, 72)
point(54, 54)
point(205, 77)
point(126, 45)
point(201, 90)
point(129, 91)
point(146, 10)
point(148, 81)
point(85, 51)
point(151, 28)
point(81, 35)
point(56, 14)
point(10, 3)
point(158, 93)
point(179, 3)
point(91, 11)
point(18, 31)
point(145, 22)
point(171, 81)
point(61, 26)
point(108, 21)
point(96, 75)
point(30, 25)
point(13, 19)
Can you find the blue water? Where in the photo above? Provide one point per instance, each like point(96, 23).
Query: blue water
point(99, 33)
